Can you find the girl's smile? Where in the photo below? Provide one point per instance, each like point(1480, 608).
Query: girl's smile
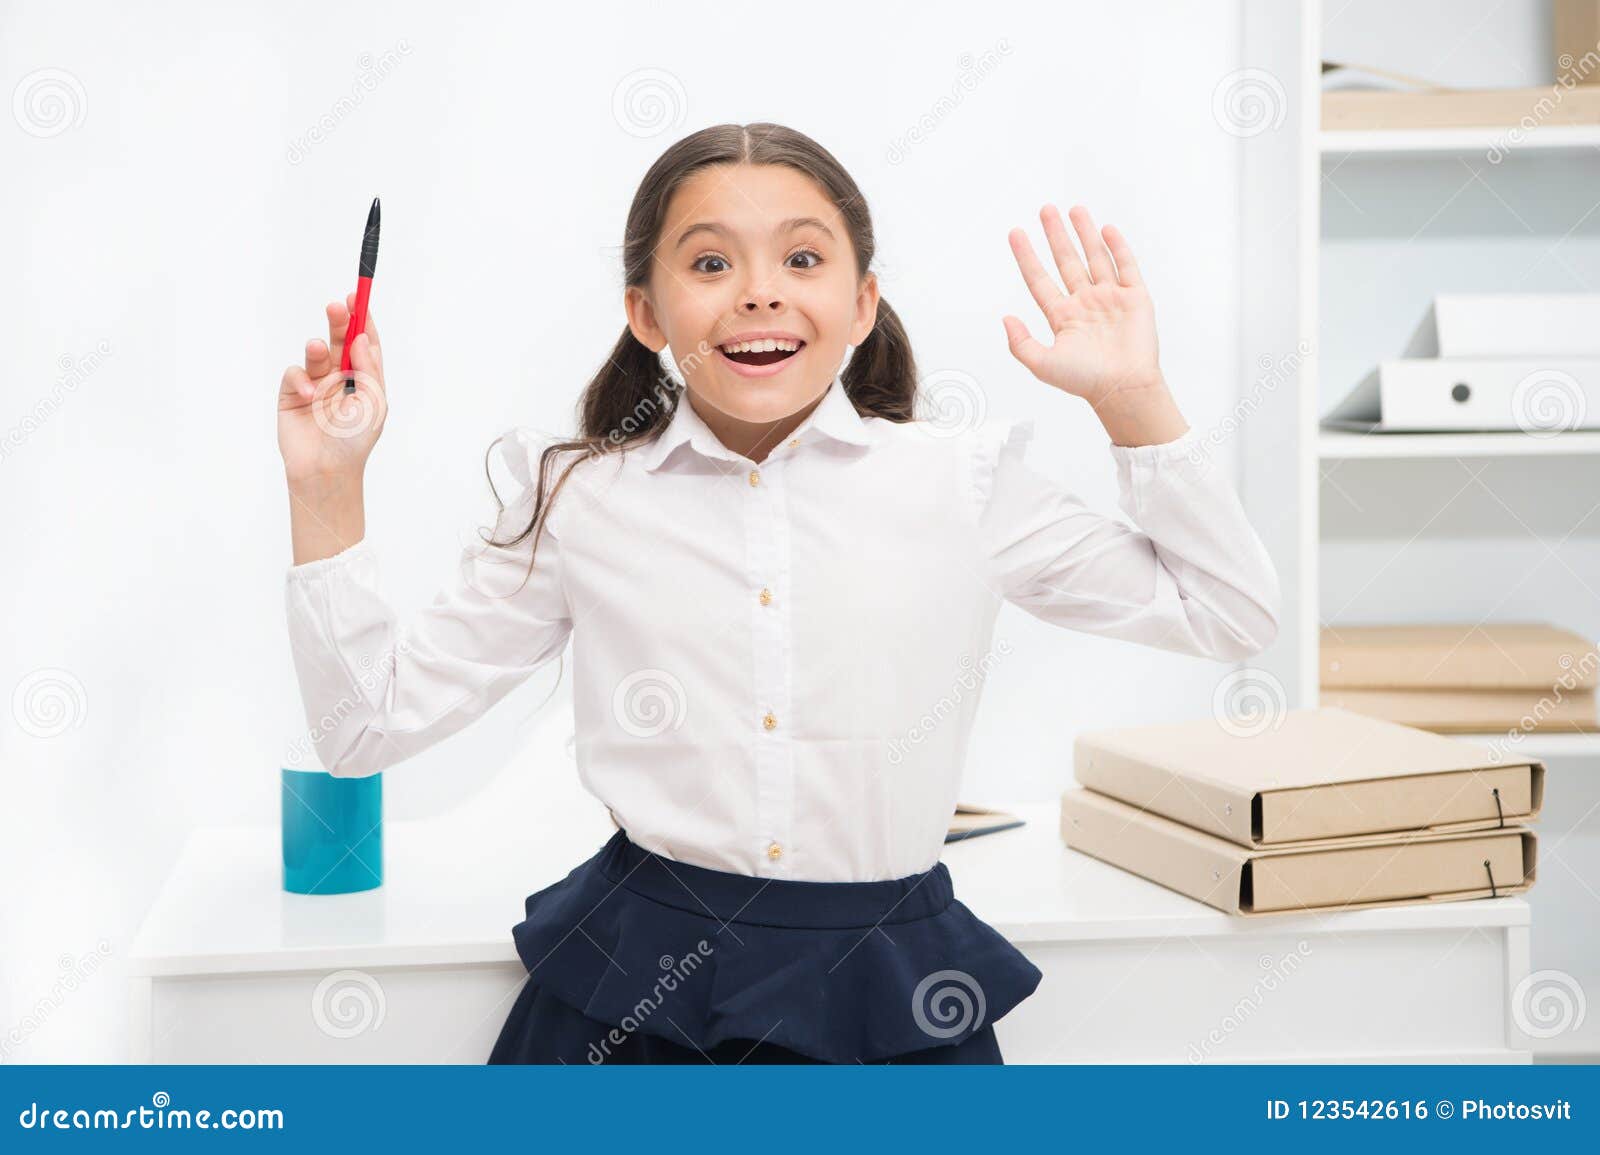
point(761, 352)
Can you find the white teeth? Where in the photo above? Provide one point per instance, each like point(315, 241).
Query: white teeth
point(768, 345)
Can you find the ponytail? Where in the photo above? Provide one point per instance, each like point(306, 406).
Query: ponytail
point(881, 377)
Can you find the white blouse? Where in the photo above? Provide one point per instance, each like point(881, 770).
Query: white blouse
point(776, 666)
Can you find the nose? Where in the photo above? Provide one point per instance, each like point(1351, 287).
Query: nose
point(756, 297)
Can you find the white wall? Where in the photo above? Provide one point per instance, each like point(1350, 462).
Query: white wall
point(169, 253)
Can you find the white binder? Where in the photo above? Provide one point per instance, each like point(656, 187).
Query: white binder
point(1487, 362)
point(1420, 395)
point(1509, 325)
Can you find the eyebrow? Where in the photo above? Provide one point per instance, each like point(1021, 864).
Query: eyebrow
point(787, 226)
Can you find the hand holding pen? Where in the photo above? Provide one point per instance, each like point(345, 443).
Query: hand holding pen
point(324, 432)
point(329, 418)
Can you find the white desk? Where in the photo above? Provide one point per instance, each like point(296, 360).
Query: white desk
point(228, 967)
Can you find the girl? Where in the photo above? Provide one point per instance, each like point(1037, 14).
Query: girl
point(774, 578)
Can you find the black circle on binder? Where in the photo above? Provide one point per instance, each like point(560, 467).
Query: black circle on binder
point(1460, 391)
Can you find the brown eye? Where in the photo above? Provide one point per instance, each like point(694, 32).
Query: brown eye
point(708, 257)
point(816, 258)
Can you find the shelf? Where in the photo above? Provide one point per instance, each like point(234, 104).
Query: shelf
point(1333, 444)
point(1448, 141)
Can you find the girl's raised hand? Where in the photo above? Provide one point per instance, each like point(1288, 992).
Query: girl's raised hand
point(324, 432)
point(1103, 326)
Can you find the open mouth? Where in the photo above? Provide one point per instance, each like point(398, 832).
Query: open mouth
point(770, 351)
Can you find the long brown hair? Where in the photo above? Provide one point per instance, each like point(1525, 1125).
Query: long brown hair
point(630, 400)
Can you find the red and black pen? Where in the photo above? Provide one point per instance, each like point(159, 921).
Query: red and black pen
point(358, 315)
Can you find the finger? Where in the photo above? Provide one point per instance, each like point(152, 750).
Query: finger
point(318, 359)
point(364, 363)
point(1045, 292)
point(338, 322)
point(1094, 249)
point(1127, 267)
point(1065, 252)
point(1023, 346)
point(296, 384)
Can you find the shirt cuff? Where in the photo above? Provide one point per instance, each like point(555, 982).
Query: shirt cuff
point(1190, 444)
point(324, 567)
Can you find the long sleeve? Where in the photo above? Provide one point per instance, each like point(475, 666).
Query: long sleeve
point(1189, 575)
point(375, 692)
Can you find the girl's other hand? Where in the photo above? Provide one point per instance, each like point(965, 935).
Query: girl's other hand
point(324, 432)
point(1104, 325)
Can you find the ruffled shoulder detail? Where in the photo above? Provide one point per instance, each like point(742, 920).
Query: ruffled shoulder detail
point(518, 451)
point(989, 441)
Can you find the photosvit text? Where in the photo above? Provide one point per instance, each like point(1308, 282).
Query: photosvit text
point(1561, 1109)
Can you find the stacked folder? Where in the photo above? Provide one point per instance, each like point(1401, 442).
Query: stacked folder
point(1462, 677)
point(1328, 810)
point(1491, 362)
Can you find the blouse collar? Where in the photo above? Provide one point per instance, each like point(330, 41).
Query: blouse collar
point(835, 416)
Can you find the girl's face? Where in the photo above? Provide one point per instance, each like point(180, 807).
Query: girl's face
point(754, 252)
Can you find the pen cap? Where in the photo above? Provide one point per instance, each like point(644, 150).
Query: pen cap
point(369, 243)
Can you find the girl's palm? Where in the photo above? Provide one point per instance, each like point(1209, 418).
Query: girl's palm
point(1103, 326)
point(322, 430)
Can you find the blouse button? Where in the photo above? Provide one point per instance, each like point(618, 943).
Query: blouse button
point(766, 597)
point(774, 851)
point(755, 477)
point(769, 721)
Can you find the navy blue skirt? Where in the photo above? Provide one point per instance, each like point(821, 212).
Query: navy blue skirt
point(637, 958)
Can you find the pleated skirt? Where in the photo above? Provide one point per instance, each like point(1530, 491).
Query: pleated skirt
point(638, 958)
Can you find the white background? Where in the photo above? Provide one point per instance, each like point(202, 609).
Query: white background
point(180, 228)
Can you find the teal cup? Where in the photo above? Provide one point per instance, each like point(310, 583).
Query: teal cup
point(332, 832)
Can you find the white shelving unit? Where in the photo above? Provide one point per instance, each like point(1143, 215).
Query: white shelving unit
point(1346, 237)
point(1560, 137)
point(1337, 444)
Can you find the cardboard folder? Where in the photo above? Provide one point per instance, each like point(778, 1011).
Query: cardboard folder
point(1457, 655)
point(1474, 711)
point(1317, 774)
point(1408, 868)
